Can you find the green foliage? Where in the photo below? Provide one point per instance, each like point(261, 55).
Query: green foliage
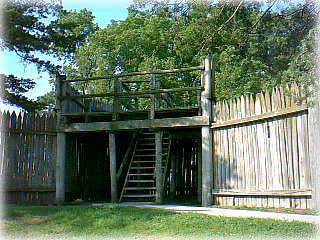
point(252, 49)
point(109, 221)
point(38, 31)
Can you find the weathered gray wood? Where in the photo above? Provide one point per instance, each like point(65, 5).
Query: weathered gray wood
point(126, 158)
point(60, 168)
point(262, 117)
point(207, 171)
point(116, 99)
point(133, 93)
point(136, 124)
point(158, 170)
point(153, 98)
point(206, 133)
point(314, 140)
point(113, 167)
point(265, 193)
point(61, 142)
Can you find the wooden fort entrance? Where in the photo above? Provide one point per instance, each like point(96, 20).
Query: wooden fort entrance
point(159, 141)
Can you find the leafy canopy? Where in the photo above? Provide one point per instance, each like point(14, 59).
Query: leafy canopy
point(253, 45)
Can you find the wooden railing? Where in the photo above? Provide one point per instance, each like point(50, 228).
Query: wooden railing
point(150, 91)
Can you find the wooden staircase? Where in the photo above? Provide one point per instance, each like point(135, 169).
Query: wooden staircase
point(140, 182)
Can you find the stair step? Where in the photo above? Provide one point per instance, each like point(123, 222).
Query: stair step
point(147, 138)
point(140, 196)
point(146, 144)
point(144, 155)
point(144, 148)
point(142, 167)
point(142, 181)
point(140, 188)
point(140, 174)
point(144, 162)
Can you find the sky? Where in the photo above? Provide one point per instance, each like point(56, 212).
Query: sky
point(103, 10)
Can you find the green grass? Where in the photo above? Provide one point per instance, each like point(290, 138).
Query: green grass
point(115, 221)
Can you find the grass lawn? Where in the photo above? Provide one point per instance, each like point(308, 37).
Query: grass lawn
point(115, 221)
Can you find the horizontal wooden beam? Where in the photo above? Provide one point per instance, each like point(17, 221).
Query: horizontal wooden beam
point(263, 193)
point(131, 112)
point(119, 75)
point(135, 93)
point(261, 117)
point(139, 124)
point(26, 131)
point(30, 189)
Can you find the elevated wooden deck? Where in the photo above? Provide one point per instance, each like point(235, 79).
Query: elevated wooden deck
point(144, 101)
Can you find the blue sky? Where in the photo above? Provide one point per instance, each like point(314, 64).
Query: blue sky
point(103, 10)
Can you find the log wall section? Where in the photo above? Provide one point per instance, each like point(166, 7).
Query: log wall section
point(28, 157)
point(261, 150)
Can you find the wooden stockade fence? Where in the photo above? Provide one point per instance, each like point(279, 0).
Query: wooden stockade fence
point(28, 155)
point(260, 153)
point(261, 150)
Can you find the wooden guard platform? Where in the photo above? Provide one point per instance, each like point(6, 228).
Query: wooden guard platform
point(135, 102)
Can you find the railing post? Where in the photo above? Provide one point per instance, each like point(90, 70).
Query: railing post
point(206, 133)
point(153, 97)
point(116, 99)
point(61, 141)
point(158, 170)
point(113, 167)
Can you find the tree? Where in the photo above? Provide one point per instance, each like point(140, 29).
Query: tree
point(252, 45)
point(41, 33)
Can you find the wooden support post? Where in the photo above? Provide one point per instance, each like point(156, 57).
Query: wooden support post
point(314, 140)
point(152, 98)
point(158, 170)
point(61, 142)
point(113, 167)
point(116, 99)
point(206, 133)
point(199, 149)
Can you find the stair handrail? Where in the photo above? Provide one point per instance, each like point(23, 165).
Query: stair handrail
point(126, 156)
point(131, 159)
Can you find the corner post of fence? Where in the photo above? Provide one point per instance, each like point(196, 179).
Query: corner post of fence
point(61, 140)
point(207, 80)
point(116, 99)
point(314, 140)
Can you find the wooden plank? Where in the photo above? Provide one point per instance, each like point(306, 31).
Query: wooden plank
point(60, 167)
point(265, 193)
point(135, 124)
point(266, 116)
point(135, 93)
